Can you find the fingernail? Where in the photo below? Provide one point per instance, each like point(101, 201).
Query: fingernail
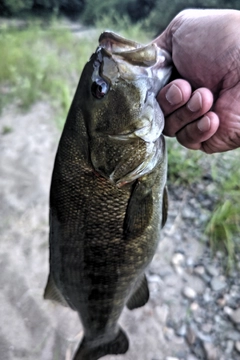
point(204, 124)
point(195, 103)
point(174, 95)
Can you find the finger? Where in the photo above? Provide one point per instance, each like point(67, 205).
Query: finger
point(194, 134)
point(174, 95)
point(200, 102)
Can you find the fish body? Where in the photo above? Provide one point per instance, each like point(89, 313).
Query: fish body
point(108, 200)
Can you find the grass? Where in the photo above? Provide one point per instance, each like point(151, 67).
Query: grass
point(41, 64)
point(223, 227)
point(44, 63)
point(184, 166)
point(124, 27)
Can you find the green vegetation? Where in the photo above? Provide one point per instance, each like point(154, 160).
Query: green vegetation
point(41, 64)
point(185, 166)
point(44, 62)
point(156, 14)
point(223, 227)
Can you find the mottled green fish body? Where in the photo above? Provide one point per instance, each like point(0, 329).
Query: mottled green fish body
point(108, 200)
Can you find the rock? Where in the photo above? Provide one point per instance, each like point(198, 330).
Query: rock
point(221, 301)
point(191, 357)
point(199, 270)
point(207, 328)
point(207, 297)
point(194, 306)
point(162, 313)
point(235, 316)
point(212, 270)
point(211, 351)
point(191, 335)
point(233, 335)
point(189, 293)
point(237, 346)
point(169, 333)
point(229, 347)
point(228, 310)
point(218, 283)
point(182, 330)
point(190, 262)
point(171, 358)
point(178, 259)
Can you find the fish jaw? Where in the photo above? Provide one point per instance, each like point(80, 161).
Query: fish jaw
point(154, 152)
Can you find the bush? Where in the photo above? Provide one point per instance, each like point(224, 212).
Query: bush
point(14, 7)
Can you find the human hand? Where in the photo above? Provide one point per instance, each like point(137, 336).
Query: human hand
point(205, 48)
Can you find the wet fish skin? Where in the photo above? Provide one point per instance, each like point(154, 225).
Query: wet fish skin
point(108, 198)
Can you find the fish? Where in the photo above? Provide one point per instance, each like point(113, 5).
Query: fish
point(108, 197)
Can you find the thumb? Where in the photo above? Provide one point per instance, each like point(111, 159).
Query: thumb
point(164, 40)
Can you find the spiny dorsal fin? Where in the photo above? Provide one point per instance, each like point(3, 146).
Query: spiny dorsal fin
point(52, 293)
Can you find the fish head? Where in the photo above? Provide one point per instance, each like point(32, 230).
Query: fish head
point(123, 119)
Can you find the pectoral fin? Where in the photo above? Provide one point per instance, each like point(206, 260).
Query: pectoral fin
point(52, 293)
point(139, 210)
point(140, 295)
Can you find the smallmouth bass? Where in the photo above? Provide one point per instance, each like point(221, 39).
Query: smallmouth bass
point(108, 199)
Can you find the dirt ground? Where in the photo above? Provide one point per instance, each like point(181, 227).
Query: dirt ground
point(34, 329)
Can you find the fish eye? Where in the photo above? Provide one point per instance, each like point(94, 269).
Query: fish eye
point(99, 88)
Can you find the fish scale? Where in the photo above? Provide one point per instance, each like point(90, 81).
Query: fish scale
point(108, 200)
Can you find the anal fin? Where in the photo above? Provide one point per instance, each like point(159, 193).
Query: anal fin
point(140, 294)
point(51, 292)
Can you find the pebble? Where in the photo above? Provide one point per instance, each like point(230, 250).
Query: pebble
point(178, 259)
point(169, 333)
point(207, 297)
point(237, 346)
point(194, 306)
point(191, 335)
point(182, 330)
point(229, 311)
point(162, 313)
point(229, 347)
point(189, 293)
point(211, 351)
point(221, 301)
point(207, 328)
point(217, 283)
point(199, 270)
point(191, 357)
point(235, 316)
point(212, 270)
point(233, 335)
